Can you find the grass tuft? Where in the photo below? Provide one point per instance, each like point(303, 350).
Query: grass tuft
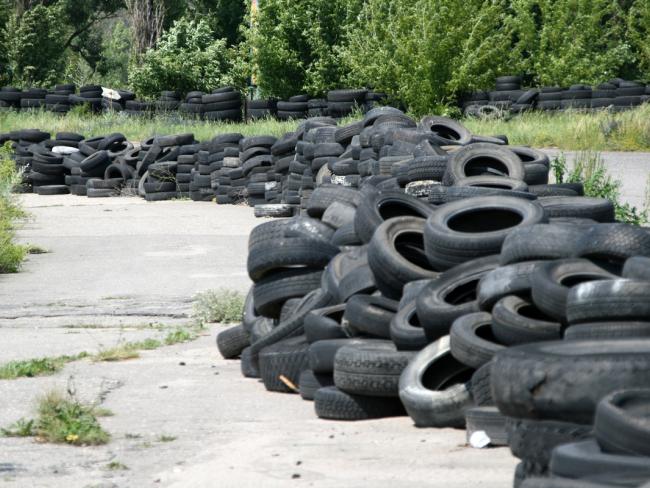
point(116, 466)
point(11, 254)
point(30, 368)
point(166, 438)
point(61, 419)
point(221, 306)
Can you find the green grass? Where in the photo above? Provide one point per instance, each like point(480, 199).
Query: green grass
point(61, 419)
point(116, 466)
point(573, 130)
point(11, 254)
point(590, 170)
point(135, 128)
point(166, 438)
point(221, 306)
point(36, 367)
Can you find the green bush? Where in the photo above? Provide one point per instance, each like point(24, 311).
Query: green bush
point(11, 254)
point(186, 58)
point(295, 45)
point(35, 46)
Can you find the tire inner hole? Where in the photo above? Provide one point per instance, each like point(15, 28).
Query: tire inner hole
point(484, 220)
point(481, 165)
point(410, 245)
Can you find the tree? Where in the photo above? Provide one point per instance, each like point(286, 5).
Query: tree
point(224, 17)
point(147, 18)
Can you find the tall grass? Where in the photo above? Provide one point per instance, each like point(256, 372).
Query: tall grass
point(11, 254)
point(573, 130)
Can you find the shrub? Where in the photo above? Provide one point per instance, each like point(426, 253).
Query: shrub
point(186, 58)
point(35, 46)
point(11, 254)
point(295, 45)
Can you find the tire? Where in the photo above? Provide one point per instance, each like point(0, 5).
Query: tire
point(489, 421)
point(289, 252)
point(248, 365)
point(451, 295)
point(324, 324)
point(232, 341)
point(598, 209)
point(494, 182)
point(586, 459)
point(534, 440)
point(260, 328)
point(321, 353)
point(428, 168)
point(152, 197)
point(405, 329)
point(338, 215)
point(311, 382)
point(531, 381)
point(513, 279)
point(472, 341)
point(476, 227)
point(608, 330)
point(275, 210)
point(637, 268)
point(517, 321)
point(52, 190)
point(608, 300)
point(268, 232)
point(334, 404)
point(622, 423)
point(274, 289)
point(372, 212)
point(483, 158)
point(325, 195)
point(552, 281)
point(611, 244)
point(308, 228)
point(434, 388)
point(446, 194)
point(287, 358)
point(362, 281)
point(542, 241)
point(480, 386)
point(370, 315)
point(396, 255)
point(370, 369)
point(447, 131)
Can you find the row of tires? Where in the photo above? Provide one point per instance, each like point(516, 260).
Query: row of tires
point(465, 298)
point(616, 94)
point(223, 104)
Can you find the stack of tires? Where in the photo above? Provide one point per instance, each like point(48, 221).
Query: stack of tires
point(226, 174)
point(192, 105)
point(295, 108)
point(257, 167)
point(10, 97)
point(341, 103)
point(119, 104)
point(33, 98)
point(224, 104)
point(139, 108)
point(261, 109)
point(491, 300)
point(169, 101)
point(89, 96)
point(58, 100)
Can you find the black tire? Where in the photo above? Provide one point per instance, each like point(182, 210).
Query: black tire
point(476, 227)
point(488, 420)
point(370, 315)
point(608, 330)
point(480, 386)
point(275, 210)
point(534, 440)
point(311, 382)
point(542, 241)
point(586, 459)
point(321, 353)
point(324, 324)
point(287, 358)
point(260, 328)
point(609, 300)
point(334, 404)
point(531, 381)
point(381, 206)
point(598, 209)
point(637, 268)
point(447, 131)
point(405, 329)
point(495, 183)
point(483, 158)
point(362, 281)
point(232, 341)
point(308, 228)
point(52, 190)
point(513, 279)
point(552, 281)
point(370, 369)
point(274, 289)
point(290, 252)
point(248, 364)
point(325, 195)
point(428, 168)
point(472, 341)
point(268, 232)
point(338, 215)
point(611, 244)
point(346, 236)
point(451, 295)
point(446, 194)
point(622, 423)
point(434, 387)
point(396, 255)
point(517, 321)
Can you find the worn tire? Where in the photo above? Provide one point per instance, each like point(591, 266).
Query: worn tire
point(334, 404)
point(232, 341)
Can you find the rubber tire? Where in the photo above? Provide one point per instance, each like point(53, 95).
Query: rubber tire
point(405, 329)
point(311, 382)
point(622, 423)
point(472, 341)
point(333, 404)
point(609, 300)
point(287, 358)
point(273, 290)
point(513, 279)
point(608, 330)
point(370, 315)
point(461, 162)
point(488, 420)
point(598, 209)
point(541, 241)
point(324, 324)
point(232, 341)
point(511, 327)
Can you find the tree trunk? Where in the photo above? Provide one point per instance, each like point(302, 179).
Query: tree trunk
point(147, 18)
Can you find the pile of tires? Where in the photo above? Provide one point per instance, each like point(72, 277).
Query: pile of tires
point(168, 101)
point(509, 96)
point(453, 284)
point(295, 107)
point(261, 109)
point(223, 104)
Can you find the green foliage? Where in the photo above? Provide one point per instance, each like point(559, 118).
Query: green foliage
point(11, 254)
point(223, 16)
point(113, 66)
point(223, 306)
point(30, 368)
point(295, 44)
point(589, 170)
point(186, 58)
point(35, 44)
